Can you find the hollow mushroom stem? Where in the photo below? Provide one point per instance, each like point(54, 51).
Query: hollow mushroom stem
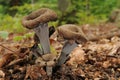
point(67, 48)
point(42, 31)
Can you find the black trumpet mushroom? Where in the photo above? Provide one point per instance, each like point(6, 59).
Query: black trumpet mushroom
point(73, 35)
point(38, 21)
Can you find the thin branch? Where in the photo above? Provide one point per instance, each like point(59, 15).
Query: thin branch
point(7, 48)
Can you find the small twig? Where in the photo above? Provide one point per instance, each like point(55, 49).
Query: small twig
point(7, 48)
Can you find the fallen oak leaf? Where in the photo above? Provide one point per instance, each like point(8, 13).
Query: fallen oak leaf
point(106, 64)
point(76, 56)
point(115, 39)
point(115, 48)
point(5, 59)
point(34, 72)
point(2, 74)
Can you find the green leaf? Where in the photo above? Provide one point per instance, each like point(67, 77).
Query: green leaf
point(18, 38)
point(40, 46)
point(28, 35)
point(4, 34)
point(53, 50)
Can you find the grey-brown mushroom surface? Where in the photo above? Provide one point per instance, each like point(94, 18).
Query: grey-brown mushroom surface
point(72, 32)
point(42, 15)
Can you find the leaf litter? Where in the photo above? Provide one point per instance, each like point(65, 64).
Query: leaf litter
point(93, 60)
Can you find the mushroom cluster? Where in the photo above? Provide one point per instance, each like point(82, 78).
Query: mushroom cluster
point(38, 21)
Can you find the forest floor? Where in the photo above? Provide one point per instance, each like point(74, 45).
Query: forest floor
point(93, 60)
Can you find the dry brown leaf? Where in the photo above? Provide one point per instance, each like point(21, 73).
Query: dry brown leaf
point(5, 59)
point(2, 74)
point(106, 64)
point(76, 56)
point(34, 72)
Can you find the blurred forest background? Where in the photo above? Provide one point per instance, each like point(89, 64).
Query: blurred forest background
point(69, 11)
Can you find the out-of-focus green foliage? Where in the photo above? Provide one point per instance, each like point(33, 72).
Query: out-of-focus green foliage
point(18, 38)
point(12, 24)
point(10, 18)
point(4, 34)
point(69, 11)
point(88, 11)
point(25, 36)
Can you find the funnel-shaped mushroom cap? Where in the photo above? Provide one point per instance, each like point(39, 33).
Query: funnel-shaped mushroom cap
point(71, 32)
point(42, 15)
